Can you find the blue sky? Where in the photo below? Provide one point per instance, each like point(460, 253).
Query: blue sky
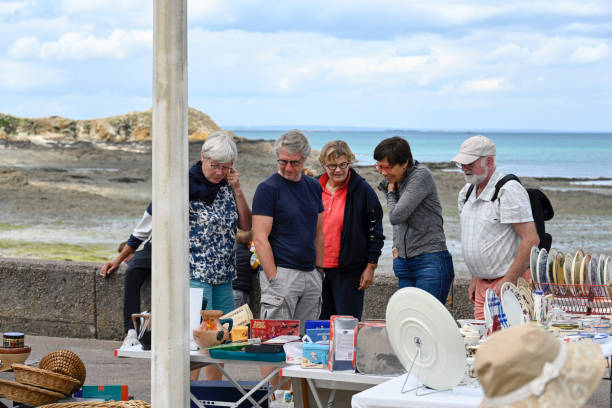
point(437, 64)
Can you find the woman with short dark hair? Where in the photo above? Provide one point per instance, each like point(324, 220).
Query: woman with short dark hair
point(415, 213)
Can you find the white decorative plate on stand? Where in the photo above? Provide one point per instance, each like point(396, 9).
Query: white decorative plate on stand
point(416, 319)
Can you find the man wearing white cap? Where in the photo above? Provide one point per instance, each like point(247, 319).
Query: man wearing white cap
point(497, 233)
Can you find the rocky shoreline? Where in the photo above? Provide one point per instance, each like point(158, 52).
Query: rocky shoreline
point(77, 201)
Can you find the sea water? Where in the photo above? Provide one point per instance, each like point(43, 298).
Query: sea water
point(535, 154)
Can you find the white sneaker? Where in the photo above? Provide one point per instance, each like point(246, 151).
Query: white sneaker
point(130, 341)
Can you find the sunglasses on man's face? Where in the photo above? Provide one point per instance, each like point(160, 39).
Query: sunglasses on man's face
point(293, 163)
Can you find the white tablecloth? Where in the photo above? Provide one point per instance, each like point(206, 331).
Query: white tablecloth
point(388, 394)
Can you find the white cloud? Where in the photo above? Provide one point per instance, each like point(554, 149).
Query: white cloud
point(10, 7)
point(588, 54)
point(510, 51)
point(25, 47)
point(83, 45)
point(23, 76)
point(474, 86)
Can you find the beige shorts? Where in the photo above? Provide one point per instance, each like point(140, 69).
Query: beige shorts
point(291, 295)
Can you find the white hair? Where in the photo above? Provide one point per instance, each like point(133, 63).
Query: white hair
point(220, 147)
point(294, 141)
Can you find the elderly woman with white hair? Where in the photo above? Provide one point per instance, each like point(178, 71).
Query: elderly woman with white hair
point(217, 207)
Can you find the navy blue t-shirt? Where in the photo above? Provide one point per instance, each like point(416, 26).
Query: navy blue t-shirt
point(295, 207)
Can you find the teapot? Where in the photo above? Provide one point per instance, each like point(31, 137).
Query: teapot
point(212, 332)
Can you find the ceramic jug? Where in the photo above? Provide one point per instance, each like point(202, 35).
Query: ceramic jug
point(212, 332)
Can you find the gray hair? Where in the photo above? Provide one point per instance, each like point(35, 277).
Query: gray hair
point(294, 141)
point(220, 147)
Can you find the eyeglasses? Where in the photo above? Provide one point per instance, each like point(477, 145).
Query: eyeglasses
point(293, 163)
point(218, 167)
point(334, 166)
point(382, 168)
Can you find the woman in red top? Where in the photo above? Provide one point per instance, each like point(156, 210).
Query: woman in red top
point(352, 225)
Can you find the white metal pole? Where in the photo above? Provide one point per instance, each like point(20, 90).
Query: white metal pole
point(170, 289)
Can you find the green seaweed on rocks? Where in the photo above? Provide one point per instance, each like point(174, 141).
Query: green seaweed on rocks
point(56, 251)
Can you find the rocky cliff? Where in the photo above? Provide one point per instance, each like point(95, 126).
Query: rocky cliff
point(131, 127)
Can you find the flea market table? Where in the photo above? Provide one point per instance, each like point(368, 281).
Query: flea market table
point(198, 360)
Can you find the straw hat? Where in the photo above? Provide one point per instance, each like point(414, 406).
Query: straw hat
point(526, 366)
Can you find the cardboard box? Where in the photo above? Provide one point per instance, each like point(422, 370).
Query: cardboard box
point(268, 329)
point(317, 335)
point(314, 355)
point(214, 394)
point(105, 392)
point(316, 324)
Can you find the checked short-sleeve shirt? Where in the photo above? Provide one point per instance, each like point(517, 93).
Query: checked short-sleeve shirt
point(488, 239)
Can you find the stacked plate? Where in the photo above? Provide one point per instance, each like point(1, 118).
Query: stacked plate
point(575, 269)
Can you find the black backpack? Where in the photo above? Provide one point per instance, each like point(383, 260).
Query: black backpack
point(540, 207)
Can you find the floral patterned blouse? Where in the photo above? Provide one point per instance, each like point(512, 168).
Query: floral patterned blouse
point(212, 233)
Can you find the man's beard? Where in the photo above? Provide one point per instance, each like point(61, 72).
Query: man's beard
point(474, 179)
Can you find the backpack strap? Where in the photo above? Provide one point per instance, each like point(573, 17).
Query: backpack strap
point(467, 194)
point(501, 183)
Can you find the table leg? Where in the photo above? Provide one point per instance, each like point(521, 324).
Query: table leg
point(315, 393)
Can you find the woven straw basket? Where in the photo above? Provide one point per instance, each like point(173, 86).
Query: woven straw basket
point(25, 394)
point(67, 363)
point(110, 404)
point(44, 379)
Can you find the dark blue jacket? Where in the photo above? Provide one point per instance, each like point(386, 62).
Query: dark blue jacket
point(362, 238)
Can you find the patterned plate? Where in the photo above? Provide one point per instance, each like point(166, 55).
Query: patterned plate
point(533, 263)
point(559, 264)
point(527, 299)
point(517, 312)
point(576, 267)
point(496, 311)
point(567, 269)
point(600, 267)
point(542, 263)
point(550, 265)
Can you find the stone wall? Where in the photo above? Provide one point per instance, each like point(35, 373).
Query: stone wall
point(71, 299)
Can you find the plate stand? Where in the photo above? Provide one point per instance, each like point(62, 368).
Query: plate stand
point(418, 390)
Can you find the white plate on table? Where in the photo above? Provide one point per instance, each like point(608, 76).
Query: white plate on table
point(516, 311)
point(413, 315)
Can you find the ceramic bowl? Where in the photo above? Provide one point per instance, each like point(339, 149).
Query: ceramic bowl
point(10, 356)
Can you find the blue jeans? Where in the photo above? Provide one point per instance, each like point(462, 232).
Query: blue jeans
point(432, 272)
point(219, 297)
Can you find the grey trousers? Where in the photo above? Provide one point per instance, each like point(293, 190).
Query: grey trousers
point(292, 295)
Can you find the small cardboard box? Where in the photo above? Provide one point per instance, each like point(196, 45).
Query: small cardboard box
point(317, 335)
point(105, 392)
point(268, 329)
point(316, 324)
point(314, 355)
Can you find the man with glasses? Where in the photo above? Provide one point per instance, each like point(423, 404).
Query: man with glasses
point(288, 235)
point(496, 235)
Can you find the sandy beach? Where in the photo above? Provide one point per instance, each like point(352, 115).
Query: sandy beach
point(79, 201)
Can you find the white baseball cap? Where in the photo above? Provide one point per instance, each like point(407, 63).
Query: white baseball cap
point(473, 148)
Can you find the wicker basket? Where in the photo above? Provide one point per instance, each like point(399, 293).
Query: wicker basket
point(110, 404)
point(25, 394)
point(67, 363)
point(44, 379)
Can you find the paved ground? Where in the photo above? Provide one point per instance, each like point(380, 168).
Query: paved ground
point(104, 368)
